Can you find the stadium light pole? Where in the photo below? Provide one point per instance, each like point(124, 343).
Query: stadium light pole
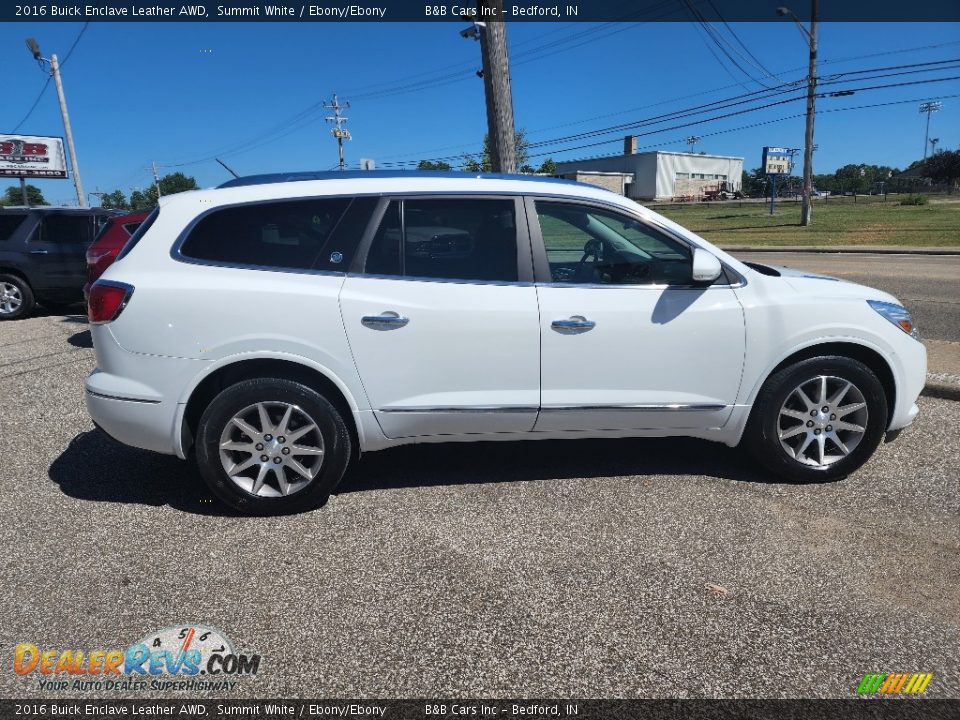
point(811, 38)
point(929, 108)
point(68, 131)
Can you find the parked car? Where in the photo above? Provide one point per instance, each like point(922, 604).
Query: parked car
point(276, 327)
point(42, 256)
point(108, 244)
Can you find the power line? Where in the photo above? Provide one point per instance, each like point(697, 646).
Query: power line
point(697, 121)
point(470, 148)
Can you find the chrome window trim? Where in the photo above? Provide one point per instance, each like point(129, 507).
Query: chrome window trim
point(451, 281)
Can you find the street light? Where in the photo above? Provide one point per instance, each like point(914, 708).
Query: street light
point(929, 108)
point(933, 145)
point(54, 64)
point(810, 36)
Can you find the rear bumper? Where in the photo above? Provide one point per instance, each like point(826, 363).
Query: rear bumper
point(139, 423)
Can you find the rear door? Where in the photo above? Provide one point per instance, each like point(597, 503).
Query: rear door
point(441, 315)
point(58, 249)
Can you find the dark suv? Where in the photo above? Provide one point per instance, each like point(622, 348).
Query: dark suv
point(43, 255)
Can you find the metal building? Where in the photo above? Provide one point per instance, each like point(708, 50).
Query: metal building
point(660, 175)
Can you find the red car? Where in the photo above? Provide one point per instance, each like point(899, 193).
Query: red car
point(108, 244)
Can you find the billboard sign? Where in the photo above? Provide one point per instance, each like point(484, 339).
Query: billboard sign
point(776, 161)
point(32, 156)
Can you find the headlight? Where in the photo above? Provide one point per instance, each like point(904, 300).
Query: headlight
point(898, 315)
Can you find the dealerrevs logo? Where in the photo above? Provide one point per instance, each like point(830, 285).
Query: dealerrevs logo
point(185, 657)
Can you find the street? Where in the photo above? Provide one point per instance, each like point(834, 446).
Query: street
point(634, 568)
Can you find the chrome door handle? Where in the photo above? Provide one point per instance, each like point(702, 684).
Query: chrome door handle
point(575, 324)
point(384, 321)
point(39, 252)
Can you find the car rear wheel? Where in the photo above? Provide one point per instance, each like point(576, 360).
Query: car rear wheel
point(271, 447)
point(16, 298)
point(818, 420)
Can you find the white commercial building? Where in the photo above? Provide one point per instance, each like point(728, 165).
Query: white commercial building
point(660, 175)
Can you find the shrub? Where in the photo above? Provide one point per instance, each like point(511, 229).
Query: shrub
point(912, 199)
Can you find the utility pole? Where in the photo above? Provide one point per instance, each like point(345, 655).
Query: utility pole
point(156, 178)
point(811, 38)
point(77, 183)
point(929, 108)
point(339, 132)
point(496, 86)
point(68, 131)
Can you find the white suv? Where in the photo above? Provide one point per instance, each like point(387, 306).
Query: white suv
point(279, 325)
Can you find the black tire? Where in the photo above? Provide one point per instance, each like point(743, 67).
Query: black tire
point(235, 399)
point(762, 434)
point(27, 301)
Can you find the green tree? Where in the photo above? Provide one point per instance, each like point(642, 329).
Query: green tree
point(115, 200)
point(944, 166)
point(139, 200)
point(433, 165)
point(483, 164)
point(13, 196)
point(170, 185)
point(548, 167)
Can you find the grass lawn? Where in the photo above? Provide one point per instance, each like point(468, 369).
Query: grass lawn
point(836, 221)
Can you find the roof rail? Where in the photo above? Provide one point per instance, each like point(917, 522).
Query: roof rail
point(270, 178)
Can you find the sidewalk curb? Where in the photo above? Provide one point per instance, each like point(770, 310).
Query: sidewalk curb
point(840, 249)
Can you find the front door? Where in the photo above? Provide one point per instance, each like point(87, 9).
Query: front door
point(442, 319)
point(629, 342)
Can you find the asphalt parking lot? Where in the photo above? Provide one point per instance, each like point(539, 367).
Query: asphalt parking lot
point(580, 569)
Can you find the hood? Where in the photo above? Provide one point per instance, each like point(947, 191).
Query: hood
point(821, 285)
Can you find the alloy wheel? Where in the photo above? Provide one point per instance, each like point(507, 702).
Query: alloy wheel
point(822, 420)
point(271, 449)
point(10, 298)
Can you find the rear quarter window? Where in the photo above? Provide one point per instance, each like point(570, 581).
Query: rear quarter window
point(138, 233)
point(315, 233)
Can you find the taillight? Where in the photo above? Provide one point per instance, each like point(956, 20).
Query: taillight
point(107, 301)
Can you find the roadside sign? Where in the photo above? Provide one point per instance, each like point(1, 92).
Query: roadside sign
point(32, 156)
point(776, 161)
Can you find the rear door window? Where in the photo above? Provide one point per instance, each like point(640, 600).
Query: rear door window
point(66, 229)
point(451, 239)
point(9, 222)
point(317, 233)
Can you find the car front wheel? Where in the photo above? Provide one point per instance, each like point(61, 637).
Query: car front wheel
point(817, 420)
point(271, 447)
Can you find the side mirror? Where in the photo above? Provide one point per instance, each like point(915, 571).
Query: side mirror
point(706, 268)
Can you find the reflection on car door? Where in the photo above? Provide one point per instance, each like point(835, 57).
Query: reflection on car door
point(442, 318)
point(627, 341)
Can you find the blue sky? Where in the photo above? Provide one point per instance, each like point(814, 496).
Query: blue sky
point(181, 93)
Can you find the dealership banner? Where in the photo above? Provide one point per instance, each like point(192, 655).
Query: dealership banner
point(440, 709)
point(32, 156)
point(486, 11)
